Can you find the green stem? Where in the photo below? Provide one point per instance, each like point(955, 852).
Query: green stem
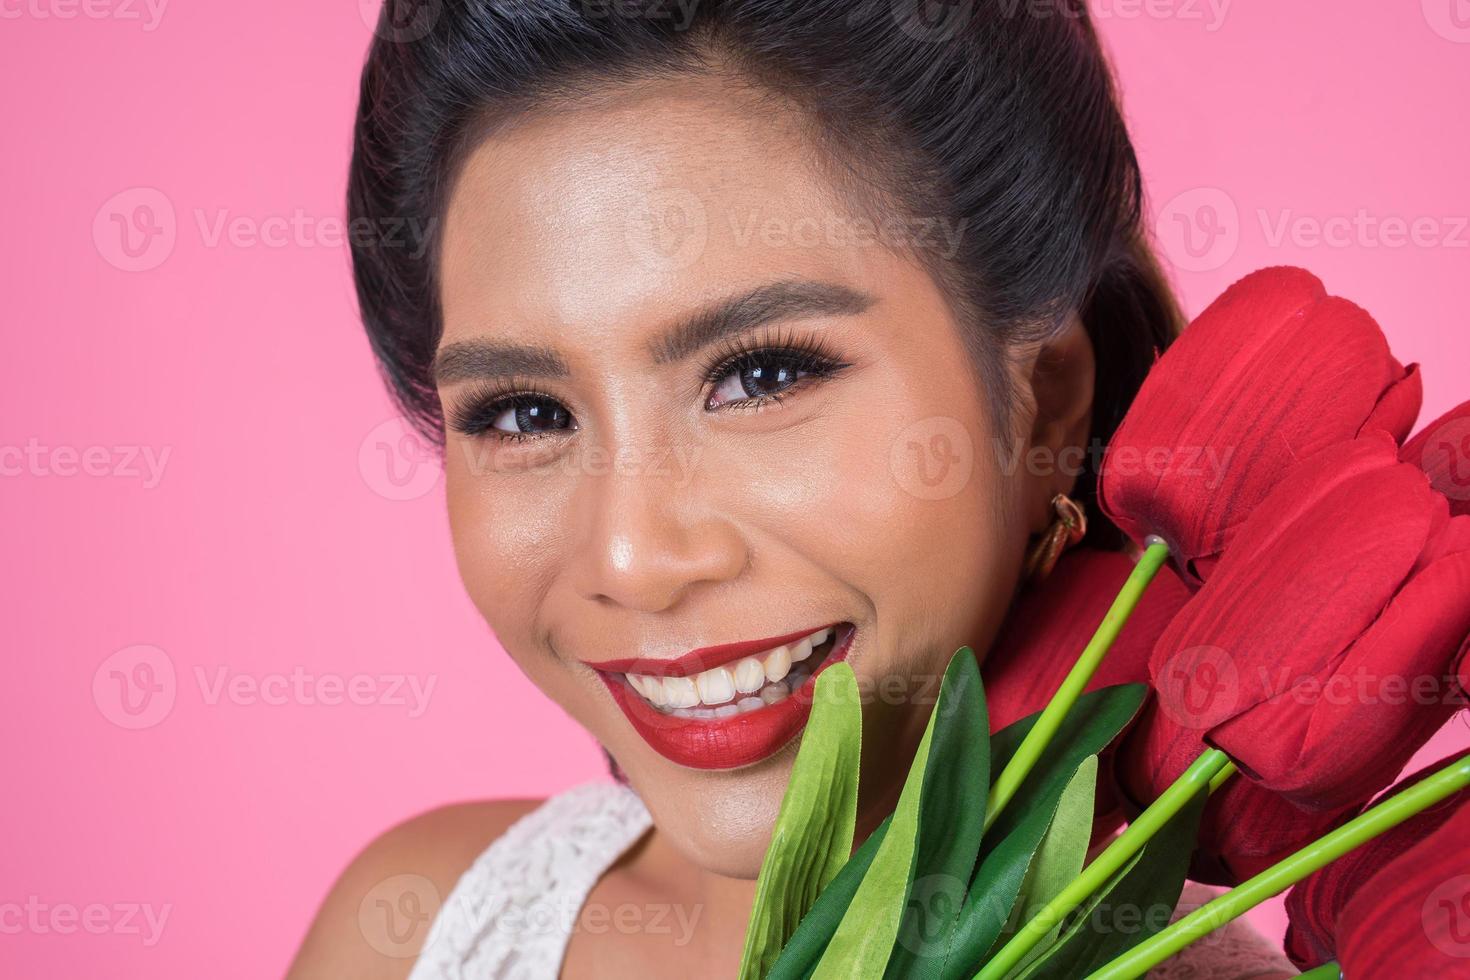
point(1327, 971)
point(1279, 877)
point(1221, 778)
point(1034, 744)
point(1195, 779)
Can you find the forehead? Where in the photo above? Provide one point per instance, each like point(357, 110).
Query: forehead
point(586, 221)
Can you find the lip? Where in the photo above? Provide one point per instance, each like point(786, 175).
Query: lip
point(696, 661)
point(721, 743)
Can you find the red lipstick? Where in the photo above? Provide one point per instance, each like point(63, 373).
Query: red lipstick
point(719, 743)
point(704, 658)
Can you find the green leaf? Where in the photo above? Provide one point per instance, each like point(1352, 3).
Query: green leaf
point(1062, 853)
point(798, 961)
point(1007, 849)
point(864, 938)
point(951, 823)
point(812, 838)
point(952, 815)
point(1135, 904)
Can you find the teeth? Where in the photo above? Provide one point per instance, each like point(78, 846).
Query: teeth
point(679, 692)
point(756, 681)
point(715, 686)
point(778, 663)
point(750, 675)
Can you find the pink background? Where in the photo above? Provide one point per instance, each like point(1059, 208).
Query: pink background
point(292, 529)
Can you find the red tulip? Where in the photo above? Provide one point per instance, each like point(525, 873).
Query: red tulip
point(1275, 370)
point(1051, 622)
point(1049, 625)
point(1348, 586)
point(1355, 722)
point(1442, 450)
point(1398, 906)
point(1244, 829)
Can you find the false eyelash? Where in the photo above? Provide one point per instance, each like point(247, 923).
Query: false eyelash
point(810, 353)
point(476, 412)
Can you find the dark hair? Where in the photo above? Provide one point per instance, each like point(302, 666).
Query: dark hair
point(996, 116)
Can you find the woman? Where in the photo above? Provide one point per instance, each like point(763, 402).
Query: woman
point(748, 329)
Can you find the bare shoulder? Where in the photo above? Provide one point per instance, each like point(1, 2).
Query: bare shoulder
point(412, 866)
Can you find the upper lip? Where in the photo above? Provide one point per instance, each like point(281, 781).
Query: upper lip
point(696, 661)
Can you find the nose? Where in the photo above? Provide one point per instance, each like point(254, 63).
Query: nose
point(648, 538)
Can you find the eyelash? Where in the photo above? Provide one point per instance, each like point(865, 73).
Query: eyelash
point(476, 414)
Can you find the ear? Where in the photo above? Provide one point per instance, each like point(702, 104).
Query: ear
point(1062, 376)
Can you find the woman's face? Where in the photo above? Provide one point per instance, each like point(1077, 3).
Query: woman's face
point(694, 401)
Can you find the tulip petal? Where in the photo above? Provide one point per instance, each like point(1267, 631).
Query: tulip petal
point(1344, 732)
point(1244, 830)
point(1272, 372)
point(1442, 450)
point(1310, 571)
point(1047, 629)
point(1050, 624)
point(1398, 409)
point(1376, 909)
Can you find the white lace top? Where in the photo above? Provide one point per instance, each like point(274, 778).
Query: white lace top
point(512, 912)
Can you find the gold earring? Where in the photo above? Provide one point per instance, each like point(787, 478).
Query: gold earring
point(1065, 531)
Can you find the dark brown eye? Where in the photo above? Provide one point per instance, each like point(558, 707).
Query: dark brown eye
point(523, 415)
point(760, 374)
point(531, 415)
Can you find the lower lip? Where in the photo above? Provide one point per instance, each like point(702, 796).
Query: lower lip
point(723, 743)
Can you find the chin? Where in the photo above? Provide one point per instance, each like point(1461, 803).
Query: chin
point(720, 820)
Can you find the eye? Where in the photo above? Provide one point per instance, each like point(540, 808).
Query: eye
point(757, 376)
point(531, 415)
point(518, 416)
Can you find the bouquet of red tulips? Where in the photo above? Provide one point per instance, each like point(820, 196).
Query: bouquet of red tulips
point(1291, 626)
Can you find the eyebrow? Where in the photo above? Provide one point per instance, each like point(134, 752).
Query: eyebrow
point(783, 300)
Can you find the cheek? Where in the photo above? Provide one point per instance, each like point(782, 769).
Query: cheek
point(903, 505)
point(506, 532)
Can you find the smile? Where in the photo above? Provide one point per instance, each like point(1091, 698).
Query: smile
point(726, 706)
